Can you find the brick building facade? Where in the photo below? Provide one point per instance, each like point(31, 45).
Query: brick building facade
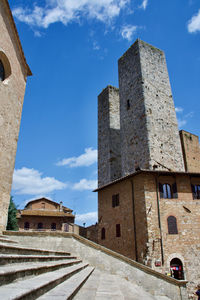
point(148, 211)
point(45, 215)
point(13, 74)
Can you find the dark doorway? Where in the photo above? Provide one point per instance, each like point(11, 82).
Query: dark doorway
point(176, 268)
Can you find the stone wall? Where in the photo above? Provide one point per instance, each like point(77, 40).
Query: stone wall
point(144, 229)
point(107, 261)
point(109, 156)
point(11, 100)
point(149, 131)
point(191, 151)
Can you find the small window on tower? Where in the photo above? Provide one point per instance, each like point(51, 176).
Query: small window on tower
point(196, 191)
point(172, 225)
point(2, 71)
point(128, 105)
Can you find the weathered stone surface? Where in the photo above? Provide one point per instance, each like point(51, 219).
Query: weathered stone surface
point(148, 125)
point(109, 155)
point(12, 90)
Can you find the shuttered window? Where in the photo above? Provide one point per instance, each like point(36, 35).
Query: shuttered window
point(115, 200)
point(103, 233)
point(172, 225)
point(118, 230)
point(167, 191)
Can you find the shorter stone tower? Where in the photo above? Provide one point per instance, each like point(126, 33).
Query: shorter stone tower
point(109, 158)
point(148, 126)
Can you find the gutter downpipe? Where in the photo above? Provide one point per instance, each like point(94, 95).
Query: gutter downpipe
point(134, 221)
point(159, 222)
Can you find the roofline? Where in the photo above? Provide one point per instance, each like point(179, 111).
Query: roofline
point(48, 200)
point(182, 130)
point(160, 172)
point(29, 73)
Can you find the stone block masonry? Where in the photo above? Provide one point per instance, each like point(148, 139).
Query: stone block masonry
point(109, 158)
point(148, 125)
point(12, 88)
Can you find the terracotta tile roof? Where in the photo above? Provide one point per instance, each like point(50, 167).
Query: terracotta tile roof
point(29, 73)
point(46, 213)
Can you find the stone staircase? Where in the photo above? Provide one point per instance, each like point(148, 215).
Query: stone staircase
point(28, 273)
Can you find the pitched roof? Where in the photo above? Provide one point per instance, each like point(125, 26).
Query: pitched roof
point(44, 213)
point(49, 200)
point(29, 73)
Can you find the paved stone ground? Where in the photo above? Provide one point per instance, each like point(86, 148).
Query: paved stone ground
point(103, 286)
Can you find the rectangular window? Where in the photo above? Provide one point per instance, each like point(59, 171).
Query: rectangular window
point(115, 200)
point(118, 231)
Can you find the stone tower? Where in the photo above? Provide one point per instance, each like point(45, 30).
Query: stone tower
point(13, 73)
point(109, 158)
point(148, 125)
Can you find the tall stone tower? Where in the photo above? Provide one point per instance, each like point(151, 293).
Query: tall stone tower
point(13, 73)
point(109, 156)
point(148, 125)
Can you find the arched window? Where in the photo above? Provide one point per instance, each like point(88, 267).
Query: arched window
point(176, 268)
point(26, 226)
point(168, 191)
point(103, 233)
point(172, 225)
point(53, 226)
point(40, 226)
point(2, 71)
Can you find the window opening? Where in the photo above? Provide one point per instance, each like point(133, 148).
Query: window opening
point(176, 268)
point(172, 225)
point(118, 231)
point(26, 226)
point(115, 200)
point(167, 191)
point(2, 71)
point(196, 191)
point(43, 205)
point(103, 233)
point(128, 105)
point(53, 226)
point(40, 226)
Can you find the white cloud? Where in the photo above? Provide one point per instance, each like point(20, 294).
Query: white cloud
point(183, 121)
point(128, 31)
point(178, 109)
point(30, 182)
point(194, 23)
point(84, 160)
point(90, 217)
point(144, 4)
point(66, 11)
point(85, 184)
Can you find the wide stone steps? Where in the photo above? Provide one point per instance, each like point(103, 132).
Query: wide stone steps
point(16, 258)
point(12, 249)
point(32, 288)
point(30, 273)
point(12, 272)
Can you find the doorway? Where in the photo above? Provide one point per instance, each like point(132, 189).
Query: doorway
point(176, 268)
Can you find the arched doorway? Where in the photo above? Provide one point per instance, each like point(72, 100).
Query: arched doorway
point(176, 268)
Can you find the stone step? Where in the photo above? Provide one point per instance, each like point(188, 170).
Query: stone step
point(12, 249)
point(15, 258)
point(68, 288)
point(34, 287)
point(7, 241)
point(9, 273)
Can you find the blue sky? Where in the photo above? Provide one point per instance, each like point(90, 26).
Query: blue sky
point(72, 48)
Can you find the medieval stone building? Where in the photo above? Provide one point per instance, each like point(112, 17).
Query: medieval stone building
point(148, 173)
point(45, 215)
point(13, 74)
